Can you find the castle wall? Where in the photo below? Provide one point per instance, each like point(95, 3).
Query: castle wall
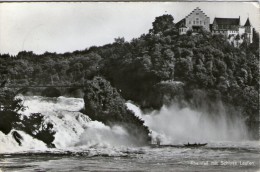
point(249, 32)
point(197, 18)
point(183, 30)
point(241, 30)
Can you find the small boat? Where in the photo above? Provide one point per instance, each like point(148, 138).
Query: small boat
point(195, 145)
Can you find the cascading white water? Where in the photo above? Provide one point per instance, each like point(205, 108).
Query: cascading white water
point(9, 145)
point(75, 130)
point(172, 125)
point(77, 137)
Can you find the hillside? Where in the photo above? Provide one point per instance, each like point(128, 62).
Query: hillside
point(145, 70)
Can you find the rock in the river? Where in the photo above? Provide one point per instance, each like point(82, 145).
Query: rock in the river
point(17, 137)
point(105, 104)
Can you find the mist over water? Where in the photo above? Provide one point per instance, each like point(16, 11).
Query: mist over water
point(76, 131)
point(175, 125)
point(73, 130)
point(99, 135)
point(83, 144)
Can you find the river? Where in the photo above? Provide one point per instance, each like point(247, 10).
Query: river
point(86, 145)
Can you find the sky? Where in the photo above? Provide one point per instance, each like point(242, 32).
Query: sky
point(69, 26)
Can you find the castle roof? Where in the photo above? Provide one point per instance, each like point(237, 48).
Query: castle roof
point(227, 21)
point(247, 22)
point(196, 9)
point(181, 23)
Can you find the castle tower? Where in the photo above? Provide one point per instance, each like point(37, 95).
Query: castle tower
point(249, 30)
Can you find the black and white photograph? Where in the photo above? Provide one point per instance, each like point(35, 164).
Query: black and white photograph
point(129, 86)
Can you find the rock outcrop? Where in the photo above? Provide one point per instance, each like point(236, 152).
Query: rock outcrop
point(105, 104)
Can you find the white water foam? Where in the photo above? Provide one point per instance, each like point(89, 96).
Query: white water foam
point(172, 125)
point(74, 130)
point(9, 145)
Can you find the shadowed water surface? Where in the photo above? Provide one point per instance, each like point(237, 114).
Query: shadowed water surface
point(213, 157)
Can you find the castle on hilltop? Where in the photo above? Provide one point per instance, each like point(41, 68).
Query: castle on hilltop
point(230, 27)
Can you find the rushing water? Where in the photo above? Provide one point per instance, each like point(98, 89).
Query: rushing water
point(85, 145)
point(218, 157)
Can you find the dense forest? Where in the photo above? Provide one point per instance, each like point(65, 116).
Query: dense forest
point(157, 68)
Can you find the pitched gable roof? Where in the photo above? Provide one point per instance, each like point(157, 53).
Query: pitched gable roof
point(197, 10)
point(181, 23)
point(247, 22)
point(227, 21)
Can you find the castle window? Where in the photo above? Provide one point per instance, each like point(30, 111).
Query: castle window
point(204, 23)
point(200, 22)
point(193, 22)
point(197, 13)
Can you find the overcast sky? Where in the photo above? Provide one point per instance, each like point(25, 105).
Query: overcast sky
point(68, 26)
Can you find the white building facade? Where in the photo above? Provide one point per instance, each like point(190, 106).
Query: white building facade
point(230, 27)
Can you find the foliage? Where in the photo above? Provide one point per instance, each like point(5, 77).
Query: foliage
point(104, 103)
point(35, 126)
point(162, 23)
point(8, 101)
point(201, 61)
point(9, 107)
point(10, 118)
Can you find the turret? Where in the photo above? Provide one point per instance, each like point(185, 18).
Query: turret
point(248, 26)
point(249, 30)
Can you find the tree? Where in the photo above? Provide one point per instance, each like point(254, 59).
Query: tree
point(8, 101)
point(162, 23)
point(120, 40)
point(9, 107)
point(10, 118)
point(237, 38)
point(35, 126)
point(182, 68)
point(104, 103)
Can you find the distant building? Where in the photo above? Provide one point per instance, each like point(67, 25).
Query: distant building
point(196, 20)
point(230, 27)
point(226, 26)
